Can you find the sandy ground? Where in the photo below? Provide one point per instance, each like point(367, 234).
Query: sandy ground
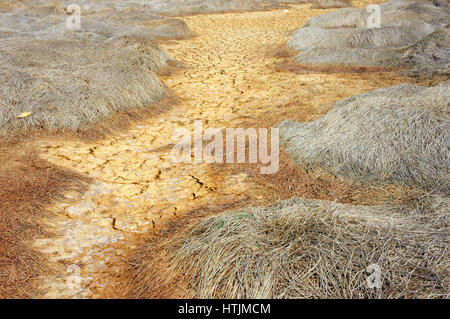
point(230, 80)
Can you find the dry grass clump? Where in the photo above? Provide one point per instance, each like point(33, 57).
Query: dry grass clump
point(393, 12)
point(68, 84)
point(343, 37)
point(392, 134)
point(202, 6)
point(68, 78)
point(134, 21)
point(342, 18)
point(408, 19)
point(388, 37)
point(429, 57)
point(172, 7)
point(436, 3)
point(49, 22)
point(435, 14)
point(304, 249)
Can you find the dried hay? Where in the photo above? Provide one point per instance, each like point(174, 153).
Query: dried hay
point(67, 79)
point(392, 134)
point(67, 86)
point(308, 38)
point(303, 249)
point(343, 37)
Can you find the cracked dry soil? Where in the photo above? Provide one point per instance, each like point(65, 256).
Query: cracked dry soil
point(230, 80)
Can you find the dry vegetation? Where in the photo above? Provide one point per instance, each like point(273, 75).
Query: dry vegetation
point(322, 4)
point(27, 184)
point(320, 249)
point(74, 78)
point(393, 134)
point(87, 81)
point(373, 173)
point(413, 36)
point(173, 7)
point(180, 7)
point(304, 249)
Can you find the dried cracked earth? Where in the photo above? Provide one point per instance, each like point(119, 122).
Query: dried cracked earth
point(230, 80)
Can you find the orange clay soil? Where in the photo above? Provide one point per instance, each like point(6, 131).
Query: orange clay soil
point(135, 189)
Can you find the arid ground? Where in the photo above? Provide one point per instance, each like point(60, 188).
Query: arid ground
point(123, 189)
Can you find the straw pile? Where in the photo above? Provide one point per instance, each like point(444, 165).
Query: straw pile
point(67, 78)
point(396, 134)
point(304, 249)
point(345, 37)
point(170, 7)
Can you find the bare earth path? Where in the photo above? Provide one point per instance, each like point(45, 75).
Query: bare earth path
point(136, 186)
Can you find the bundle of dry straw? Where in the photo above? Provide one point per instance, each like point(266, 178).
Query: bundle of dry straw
point(63, 78)
point(396, 134)
point(305, 249)
point(347, 37)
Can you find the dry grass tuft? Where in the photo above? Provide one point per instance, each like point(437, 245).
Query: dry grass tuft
point(429, 57)
point(393, 13)
point(118, 122)
point(174, 7)
point(308, 38)
point(304, 249)
point(393, 134)
point(67, 88)
point(174, 228)
point(72, 79)
point(343, 37)
point(177, 7)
